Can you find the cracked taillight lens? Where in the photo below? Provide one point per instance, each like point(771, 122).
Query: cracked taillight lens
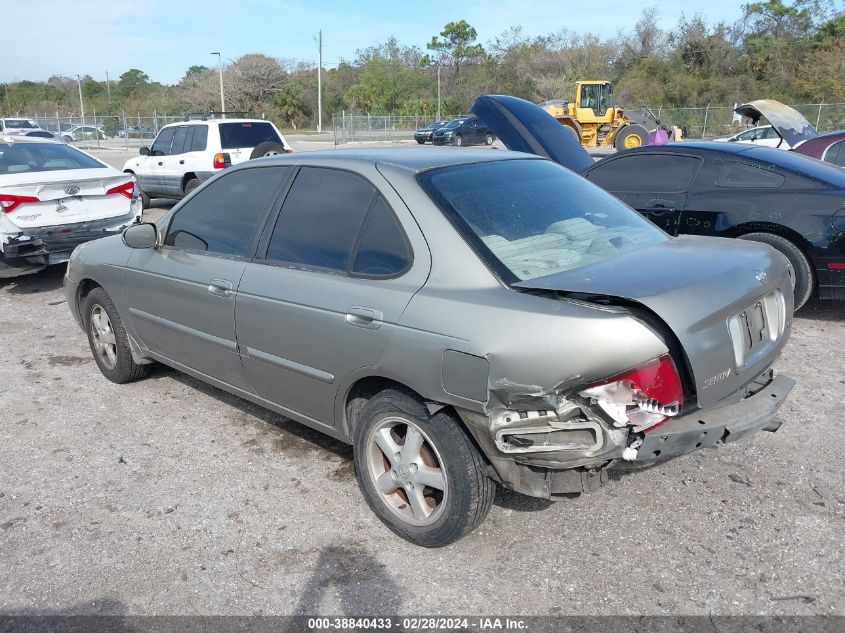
point(644, 397)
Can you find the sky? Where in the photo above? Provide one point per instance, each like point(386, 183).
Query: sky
point(165, 37)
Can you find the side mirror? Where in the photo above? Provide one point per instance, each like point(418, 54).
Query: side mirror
point(142, 235)
point(144, 151)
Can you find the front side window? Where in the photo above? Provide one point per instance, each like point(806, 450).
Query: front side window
point(320, 219)
point(662, 173)
point(531, 218)
point(226, 216)
point(161, 146)
point(30, 157)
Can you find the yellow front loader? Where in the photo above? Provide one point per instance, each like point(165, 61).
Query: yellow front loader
point(593, 118)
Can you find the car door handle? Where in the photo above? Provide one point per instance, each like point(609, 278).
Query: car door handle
point(220, 287)
point(660, 209)
point(181, 162)
point(160, 163)
point(364, 317)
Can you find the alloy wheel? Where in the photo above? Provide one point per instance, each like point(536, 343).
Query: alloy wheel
point(105, 343)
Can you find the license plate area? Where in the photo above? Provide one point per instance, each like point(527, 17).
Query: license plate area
point(756, 330)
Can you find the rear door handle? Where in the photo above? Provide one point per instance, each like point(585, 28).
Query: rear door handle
point(220, 287)
point(181, 162)
point(160, 163)
point(364, 317)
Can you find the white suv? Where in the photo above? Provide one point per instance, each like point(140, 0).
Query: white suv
point(185, 154)
point(9, 127)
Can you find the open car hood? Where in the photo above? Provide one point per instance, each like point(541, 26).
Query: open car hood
point(789, 123)
point(525, 127)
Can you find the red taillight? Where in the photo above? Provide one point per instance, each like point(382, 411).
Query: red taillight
point(644, 397)
point(126, 189)
point(10, 202)
point(221, 160)
point(836, 266)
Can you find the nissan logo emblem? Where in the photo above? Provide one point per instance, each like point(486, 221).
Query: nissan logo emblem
point(72, 190)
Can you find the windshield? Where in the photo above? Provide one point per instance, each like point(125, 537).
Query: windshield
point(532, 218)
point(432, 126)
point(453, 124)
point(17, 158)
point(247, 134)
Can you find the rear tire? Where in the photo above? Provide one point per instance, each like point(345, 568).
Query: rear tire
point(629, 137)
point(145, 201)
point(803, 281)
point(108, 340)
point(192, 184)
point(399, 450)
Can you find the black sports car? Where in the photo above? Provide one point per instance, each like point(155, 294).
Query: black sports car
point(793, 203)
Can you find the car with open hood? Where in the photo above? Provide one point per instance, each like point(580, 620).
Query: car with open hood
point(792, 203)
point(465, 319)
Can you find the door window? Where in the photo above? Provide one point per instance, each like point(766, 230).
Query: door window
point(179, 137)
point(226, 217)
point(200, 138)
point(742, 175)
point(320, 220)
point(383, 250)
point(646, 173)
point(161, 146)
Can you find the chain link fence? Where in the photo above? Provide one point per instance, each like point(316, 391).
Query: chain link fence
point(351, 128)
point(716, 121)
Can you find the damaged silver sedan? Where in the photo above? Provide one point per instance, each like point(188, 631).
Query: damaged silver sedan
point(465, 319)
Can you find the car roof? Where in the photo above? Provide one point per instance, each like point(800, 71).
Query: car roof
point(207, 121)
point(792, 161)
point(412, 159)
point(27, 139)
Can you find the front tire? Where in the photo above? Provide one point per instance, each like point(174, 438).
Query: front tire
point(420, 142)
point(108, 340)
point(803, 280)
point(459, 140)
point(488, 140)
point(630, 136)
point(421, 475)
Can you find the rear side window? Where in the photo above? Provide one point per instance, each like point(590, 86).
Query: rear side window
point(383, 250)
point(835, 154)
point(320, 219)
point(747, 176)
point(30, 157)
point(226, 216)
point(161, 146)
point(646, 173)
point(249, 134)
point(200, 138)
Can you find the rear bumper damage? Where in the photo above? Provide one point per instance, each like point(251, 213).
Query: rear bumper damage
point(31, 250)
point(555, 453)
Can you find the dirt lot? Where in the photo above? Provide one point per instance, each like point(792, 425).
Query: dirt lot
point(171, 497)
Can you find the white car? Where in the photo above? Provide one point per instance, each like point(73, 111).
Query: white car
point(83, 132)
point(54, 197)
point(185, 154)
point(10, 127)
point(762, 135)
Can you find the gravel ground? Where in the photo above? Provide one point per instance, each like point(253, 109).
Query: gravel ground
point(167, 496)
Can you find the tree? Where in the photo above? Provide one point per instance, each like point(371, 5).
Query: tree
point(457, 46)
point(132, 82)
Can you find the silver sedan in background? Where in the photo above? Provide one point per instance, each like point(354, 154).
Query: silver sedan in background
point(464, 319)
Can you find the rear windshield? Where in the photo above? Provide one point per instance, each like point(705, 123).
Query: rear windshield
point(532, 218)
point(234, 135)
point(16, 158)
point(20, 123)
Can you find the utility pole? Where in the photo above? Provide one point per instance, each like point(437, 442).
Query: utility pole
point(320, 82)
point(438, 91)
point(222, 100)
point(81, 104)
point(108, 86)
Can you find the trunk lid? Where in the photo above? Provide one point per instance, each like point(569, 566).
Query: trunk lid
point(788, 122)
point(525, 127)
point(729, 304)
point(68, 197)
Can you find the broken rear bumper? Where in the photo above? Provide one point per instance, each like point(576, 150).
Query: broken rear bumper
point(562, 472)
point(710, 428)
